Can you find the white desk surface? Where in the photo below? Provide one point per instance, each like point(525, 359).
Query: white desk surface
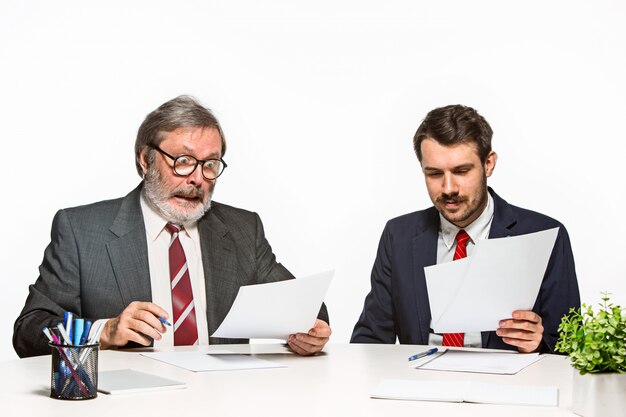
point(336, 383)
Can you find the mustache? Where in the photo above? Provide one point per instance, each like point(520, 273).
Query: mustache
point(450, 198)
point(192, 192)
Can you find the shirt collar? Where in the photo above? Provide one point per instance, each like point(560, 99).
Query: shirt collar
point(155, 223)
point(478, 229)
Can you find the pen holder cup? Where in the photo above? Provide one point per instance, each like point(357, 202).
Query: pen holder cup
point(74, 374)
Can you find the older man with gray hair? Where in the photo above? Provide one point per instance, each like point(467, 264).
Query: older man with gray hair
point(165, 251)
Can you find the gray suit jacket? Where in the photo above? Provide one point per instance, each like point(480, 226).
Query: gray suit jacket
point(97, 263)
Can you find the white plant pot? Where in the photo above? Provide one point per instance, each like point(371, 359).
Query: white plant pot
point(599, 395)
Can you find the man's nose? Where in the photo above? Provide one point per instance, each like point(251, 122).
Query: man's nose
point(196, 177)
point(449, 184)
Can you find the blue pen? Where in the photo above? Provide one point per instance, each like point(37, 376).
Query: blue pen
point(79, 325)
point(68, 319)
point(167, 323)
point(57, 382)
point(85, 378)
point(423, 354)
point(86, 331)
point(64, 376)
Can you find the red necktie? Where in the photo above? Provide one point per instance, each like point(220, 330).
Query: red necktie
point(185, 329)
point(456, 339)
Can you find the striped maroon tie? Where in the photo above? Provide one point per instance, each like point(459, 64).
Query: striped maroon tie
point(456, 339)
point(185, 329)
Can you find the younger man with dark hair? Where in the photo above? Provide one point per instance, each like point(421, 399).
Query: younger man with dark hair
point(453, 145)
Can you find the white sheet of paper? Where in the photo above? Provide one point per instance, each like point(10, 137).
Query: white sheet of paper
point(404, 389)
point(131, 381)
point(502, 363)
point(481, 392)
point(443, 282)
point(277, 309)
point(212, 361)
point(502, 275)
point(466, 391)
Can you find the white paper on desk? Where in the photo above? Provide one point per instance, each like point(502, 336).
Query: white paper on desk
point(484, 362)
point(501, 276)
point(130, 381)
point(275, 310)
point(466, 391)
point(212, 361)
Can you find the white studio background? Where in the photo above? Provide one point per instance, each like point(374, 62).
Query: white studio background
point(319, 102)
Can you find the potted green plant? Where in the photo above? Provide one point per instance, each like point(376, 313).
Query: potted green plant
point(595, 342)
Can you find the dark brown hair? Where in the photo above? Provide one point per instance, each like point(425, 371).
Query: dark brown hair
point(454, 124)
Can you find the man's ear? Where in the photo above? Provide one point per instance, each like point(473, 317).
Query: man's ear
point(490, 163)
point(143, 160)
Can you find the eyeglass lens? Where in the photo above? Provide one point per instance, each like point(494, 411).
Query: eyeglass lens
point(185, 165)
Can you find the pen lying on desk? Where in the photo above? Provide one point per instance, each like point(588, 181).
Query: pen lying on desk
point(423, 354)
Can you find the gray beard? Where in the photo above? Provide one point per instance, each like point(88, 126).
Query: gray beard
point(154, 185)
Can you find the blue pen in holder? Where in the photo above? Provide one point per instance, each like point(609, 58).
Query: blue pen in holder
point(74, 374)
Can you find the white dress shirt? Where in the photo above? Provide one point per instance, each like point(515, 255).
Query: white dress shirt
point(158, 260)
point(446, 246)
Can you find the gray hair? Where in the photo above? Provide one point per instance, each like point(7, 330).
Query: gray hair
point(182, 111)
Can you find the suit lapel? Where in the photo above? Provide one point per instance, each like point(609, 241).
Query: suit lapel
point(129, 252)
point(219, 260)
point(504, 219)
point(424, 254)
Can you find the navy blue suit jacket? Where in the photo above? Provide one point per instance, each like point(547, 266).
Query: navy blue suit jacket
point(397, 305)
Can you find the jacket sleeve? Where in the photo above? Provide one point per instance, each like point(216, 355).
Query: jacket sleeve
point(559, 289)
point(56, 290)
point(376, 323)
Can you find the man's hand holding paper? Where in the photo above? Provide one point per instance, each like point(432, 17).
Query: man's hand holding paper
point(294, 305)
point(311, 342)
point(523, 330)
point(494, 289)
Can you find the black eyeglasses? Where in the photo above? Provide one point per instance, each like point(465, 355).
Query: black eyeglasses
point(185, 165)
